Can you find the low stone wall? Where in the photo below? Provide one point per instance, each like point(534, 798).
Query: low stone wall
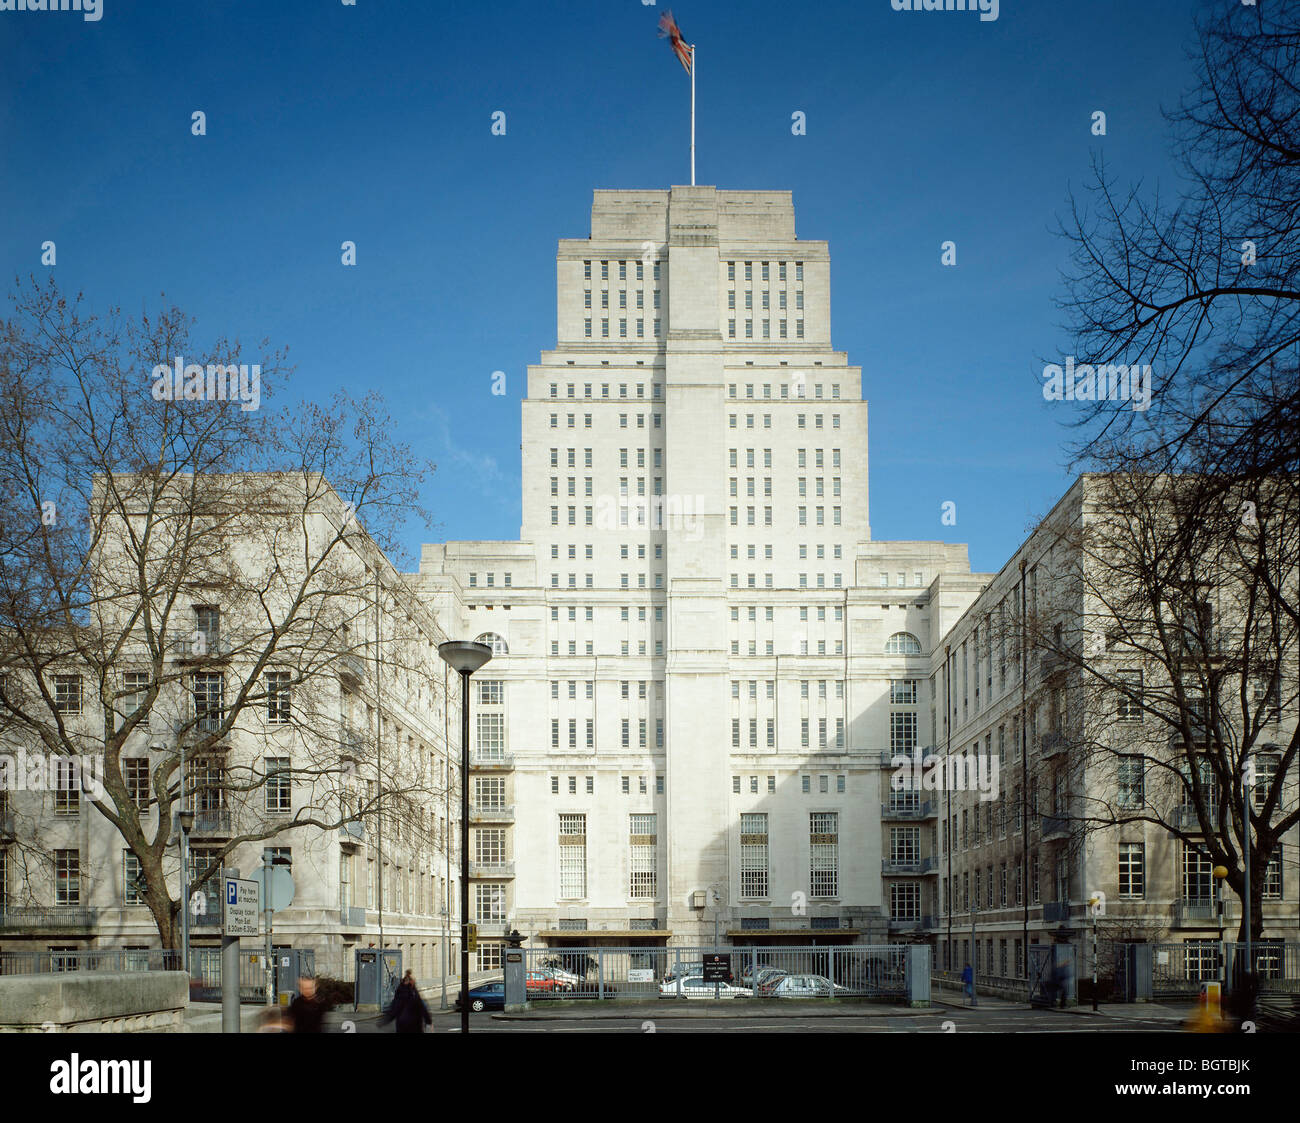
point(94, 1002)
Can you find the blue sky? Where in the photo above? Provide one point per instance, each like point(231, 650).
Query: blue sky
point(371, 123)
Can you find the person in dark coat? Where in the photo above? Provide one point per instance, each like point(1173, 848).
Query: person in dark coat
point(407, 1008)
point(306, 1011)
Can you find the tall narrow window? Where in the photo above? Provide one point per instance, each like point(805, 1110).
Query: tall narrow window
point(753, 855)
point(823, 840)
point(643, 845)
point(573, 856)
point(279, 789)
point(277, 697)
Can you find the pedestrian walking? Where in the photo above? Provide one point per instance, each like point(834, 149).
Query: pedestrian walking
point(407, 1008)
point(968, 983)
point(306, 1011)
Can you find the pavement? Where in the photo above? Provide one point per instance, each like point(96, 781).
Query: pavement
point(1124, 1011)
point(948, 1011)
point(666, 1008)
point(205, 1017)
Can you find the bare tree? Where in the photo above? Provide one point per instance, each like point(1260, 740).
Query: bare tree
point(1186, 565)
point(197, 560)
point(1205, 288)
point(1171, 669)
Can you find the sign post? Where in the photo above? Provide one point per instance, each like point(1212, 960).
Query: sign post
point(1096, 906)
point(276, 885)
point(239, 905)
point(717, 970)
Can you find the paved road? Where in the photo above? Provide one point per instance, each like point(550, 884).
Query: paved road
point(941, 1020)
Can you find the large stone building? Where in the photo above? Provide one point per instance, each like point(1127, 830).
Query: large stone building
point(1094, 802)
point(318, 714)
point(704, 673)
point(704, 663)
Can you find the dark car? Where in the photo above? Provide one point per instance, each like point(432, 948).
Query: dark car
point(486, 996)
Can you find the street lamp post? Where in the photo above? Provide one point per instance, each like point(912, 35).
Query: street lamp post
point(1220, 873)
point(186, 820)
point(464, 657)
point(1248, 974)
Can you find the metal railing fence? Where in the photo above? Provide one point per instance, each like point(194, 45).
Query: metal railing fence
point(759, 972)
point(89, 959)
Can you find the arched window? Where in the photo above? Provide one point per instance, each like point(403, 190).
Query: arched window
point(498, 645)
point(903, 643)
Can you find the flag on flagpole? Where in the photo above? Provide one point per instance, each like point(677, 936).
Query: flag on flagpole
point(669, 30)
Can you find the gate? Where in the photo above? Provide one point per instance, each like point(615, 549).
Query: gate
point(205, 973)
point(1133, 972)
point(1126, 972)
point(377, 975)
point(1051, 974)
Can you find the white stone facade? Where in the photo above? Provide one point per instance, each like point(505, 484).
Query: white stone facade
point(698, 624)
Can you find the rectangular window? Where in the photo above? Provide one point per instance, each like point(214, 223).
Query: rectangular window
point(67, 694)
point(573, 856)
point(753, 855)
point(1198, 876)
point(136, 687)
point(823, 841)
point(491, 743)
point(209, 701)
point(643, 843)
point(1129, 705)
point(489, 903)
point(135, 774)
point(67, 788)
point(277, 697)
point(902, 733)
point(133, 887)
point(279, 792)
point(905, 900)
point(67, 877)
point(1132, 874)
point(1130, 793)
point(902, 692)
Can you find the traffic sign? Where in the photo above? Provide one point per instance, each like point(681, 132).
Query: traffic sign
point(239, 907)
point(281, 895)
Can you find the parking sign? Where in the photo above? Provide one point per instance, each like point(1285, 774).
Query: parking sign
point(239, 907)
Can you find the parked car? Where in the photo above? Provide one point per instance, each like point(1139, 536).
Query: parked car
point(541, 981)
point(767, 981)
point(765, 973)
point(694, 986)
point(807, 986)
point(565, 969)
point(486, 996)
point(562, 980)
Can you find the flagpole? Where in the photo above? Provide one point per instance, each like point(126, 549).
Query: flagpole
point(692, 114)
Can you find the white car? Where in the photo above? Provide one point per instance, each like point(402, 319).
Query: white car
point(694, 986)
point(566, 979)
point(807, 986)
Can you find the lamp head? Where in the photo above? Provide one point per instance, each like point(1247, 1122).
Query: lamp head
point(464, 656)
point(186, 819)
